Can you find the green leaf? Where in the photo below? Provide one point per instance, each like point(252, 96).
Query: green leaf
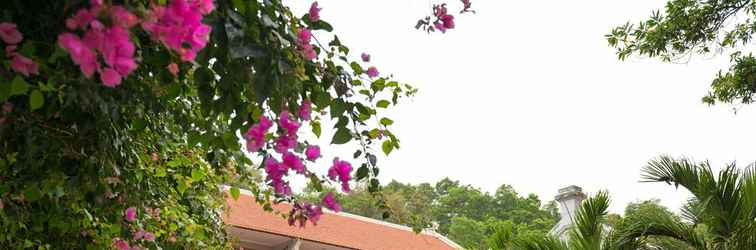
point(315, 128)
point(235, 192)
point(386, 121)
point(383, 104)
point(160, 172)
point(357, 68)
point(316, 183)
point(36, 100)
point(321, 25)
point(342, 136)
point(32, 193)
point(387, 147)
point(337, 107)
point(19, 86)
point(138, 124)
point(362, 172)
point(197, 174)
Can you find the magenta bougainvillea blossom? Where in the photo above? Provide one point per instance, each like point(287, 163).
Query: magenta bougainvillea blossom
point(292, 161)
point(304, 38)
point(19, 63)
point(275, 172)
point(312, 152)
point(331, 203)
point(442, 20)
point(256, 134)
point(305, 110)
point(130, 214)
point(180, 23)
point(314, 12)
point(372, 72)
point(173, 68)
point(9, 34)
point(365, 57)
point(121, 244)
point(340, 171)
point(112, 43)
point(301, 212)
point(23, 65)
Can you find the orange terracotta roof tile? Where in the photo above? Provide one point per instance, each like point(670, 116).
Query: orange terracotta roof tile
point(339, 229)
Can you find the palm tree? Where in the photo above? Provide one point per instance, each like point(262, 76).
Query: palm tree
point(721, 213)
point(587, 233)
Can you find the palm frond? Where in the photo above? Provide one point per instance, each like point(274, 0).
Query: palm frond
point(534, 242)
point(631, 231)
point(588, 229)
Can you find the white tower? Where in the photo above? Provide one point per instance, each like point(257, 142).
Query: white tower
point(569, 200)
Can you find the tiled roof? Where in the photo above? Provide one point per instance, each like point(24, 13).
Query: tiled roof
point(337, 229)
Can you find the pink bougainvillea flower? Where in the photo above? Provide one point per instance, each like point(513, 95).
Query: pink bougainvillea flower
point(10, 50)
point(24, 65)
point(372, 72)
point(448, 21)
point(110, 77)
point(178, 24)
point(314, 12)
point(312, 152)
point(313, 212)
point(340, 170)
point(331, 203)
point(256, 134)
point(173, 68)
point(305, 36)
point(308, 52)
point(130, 214)
point(149, 236)
point(305, 110)
point(123, 17)
point(285, 142)
point(276, 172)
point(287, 123)
point(205, 6)
point(121, 244)
point(9, 34)
point(293, 162)
point(139, 234)
point(365, 57)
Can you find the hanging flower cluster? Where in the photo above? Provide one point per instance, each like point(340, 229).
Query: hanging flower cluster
point(19, 63)
point(179, 26)
point(442, 20)
point(304, 38)
point(284, 143)
point(111, 43)
point(130, 215)
point(314, 12)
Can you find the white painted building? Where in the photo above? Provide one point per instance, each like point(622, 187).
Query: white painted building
point(569, 199)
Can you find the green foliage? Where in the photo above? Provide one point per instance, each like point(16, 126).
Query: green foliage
point(688, 27)
point(75, 154)
point(465, 214)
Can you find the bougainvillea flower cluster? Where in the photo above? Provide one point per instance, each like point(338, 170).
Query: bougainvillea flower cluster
point(112, 43)
point(314, 12)
point(19, 63)
point(340, 171)
point(331, 203)
point(130, 215)
point(284, 142)
point(301, 212)
point(444, 20)
point(304, 38)
point(179, 26)
point(256, 134)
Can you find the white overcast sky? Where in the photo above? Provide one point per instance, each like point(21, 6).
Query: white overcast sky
point(528, 93)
